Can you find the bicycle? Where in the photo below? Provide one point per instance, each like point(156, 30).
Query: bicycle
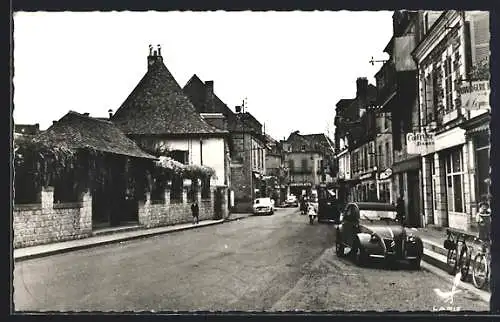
point(459, 254)
point(481, 270)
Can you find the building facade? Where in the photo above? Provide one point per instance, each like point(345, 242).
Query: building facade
point(308, 160)
point(455, 45)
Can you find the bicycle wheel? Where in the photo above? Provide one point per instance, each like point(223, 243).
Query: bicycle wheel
point(480, 271)
point(452, 260)
point(464, 262)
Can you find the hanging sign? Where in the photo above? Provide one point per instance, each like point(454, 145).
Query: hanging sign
point(386, 174)
point(475, 95)
point(420, 143)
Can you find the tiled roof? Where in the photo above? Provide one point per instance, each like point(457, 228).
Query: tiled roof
point(195, 90)
point(311, 142)
point(158, 105)
point(75, 131)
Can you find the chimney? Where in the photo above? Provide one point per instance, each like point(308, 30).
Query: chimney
point(86, 114)
point(54, 122)
point(154, 56)
point(237, 109)
point(209, 97)
point(361, 88)
point(110, 112)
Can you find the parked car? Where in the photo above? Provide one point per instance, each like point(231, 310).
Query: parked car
point(291, 201)
point(263, 206)
point(370, 230)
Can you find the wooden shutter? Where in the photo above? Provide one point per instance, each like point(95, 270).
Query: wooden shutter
point(480, 37)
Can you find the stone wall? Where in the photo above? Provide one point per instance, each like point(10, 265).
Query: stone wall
point(47, 222)
point(167, 213)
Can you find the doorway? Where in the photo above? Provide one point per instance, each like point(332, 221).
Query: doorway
point(414, 218)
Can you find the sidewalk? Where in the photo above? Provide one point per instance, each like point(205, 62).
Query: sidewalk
point(108, 236)
point(434, 252)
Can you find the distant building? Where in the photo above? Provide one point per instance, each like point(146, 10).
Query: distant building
point(308, 160)
point(27, 129)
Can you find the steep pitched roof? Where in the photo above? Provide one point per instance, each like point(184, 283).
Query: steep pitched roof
point(157, 105)
point(311, 142)
point(75, 131)
point(195, 89)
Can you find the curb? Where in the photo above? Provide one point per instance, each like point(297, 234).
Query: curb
point(107, 242)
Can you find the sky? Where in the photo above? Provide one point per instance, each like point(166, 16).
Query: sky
point(292, 67)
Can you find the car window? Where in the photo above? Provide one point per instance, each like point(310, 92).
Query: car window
point(257, 201)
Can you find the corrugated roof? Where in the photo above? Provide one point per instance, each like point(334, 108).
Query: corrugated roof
point(75, 131)
point(158, 105)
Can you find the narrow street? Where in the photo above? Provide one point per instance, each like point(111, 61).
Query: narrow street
point(269, 263)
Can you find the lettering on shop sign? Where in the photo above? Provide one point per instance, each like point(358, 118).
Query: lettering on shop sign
point(475, 95)
point(420, 142)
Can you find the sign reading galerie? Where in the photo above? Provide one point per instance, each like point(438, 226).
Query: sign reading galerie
point(475, 95)
point(420, 142)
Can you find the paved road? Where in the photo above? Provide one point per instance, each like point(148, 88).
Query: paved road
point(278, 262)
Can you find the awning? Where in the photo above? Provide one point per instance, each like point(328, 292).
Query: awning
point(483, 128)
point(407, 165)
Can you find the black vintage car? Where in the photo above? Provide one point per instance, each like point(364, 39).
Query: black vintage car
point(328, 206)
point(370, 230)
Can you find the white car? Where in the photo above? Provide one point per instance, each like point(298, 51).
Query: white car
point(291, 201)
point(263, 206)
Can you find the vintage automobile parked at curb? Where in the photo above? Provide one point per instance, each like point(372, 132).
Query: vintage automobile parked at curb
point(291, 201)
point(370, 230)
point(263, 206)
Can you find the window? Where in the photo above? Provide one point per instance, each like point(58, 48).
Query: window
point(454, 179)
point(435, 91)
point(482, 166)
point(304, 164)
point(385, 192)
point(388, 161)
point(303, 148)
point(428, 116)
point(448, 84)
point(365, 155)
point(380, 159)
point(291, 165)
point(180, 156)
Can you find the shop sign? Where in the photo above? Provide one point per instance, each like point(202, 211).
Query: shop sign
point(300, 184)
point(366, 176)
point(420, 143)
point(475, 95)
point(386, 174)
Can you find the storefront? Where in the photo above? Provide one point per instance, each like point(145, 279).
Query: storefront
point(366, 189)
point(478, 146)
point(406, 184)
point(384, 186)
point(447, 170)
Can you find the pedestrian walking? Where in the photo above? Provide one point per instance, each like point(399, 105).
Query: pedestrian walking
point(195, 210)
point(400, 210)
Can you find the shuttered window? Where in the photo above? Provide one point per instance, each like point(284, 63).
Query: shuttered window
point(448, 84)
point(481, 37)
point(428, 100)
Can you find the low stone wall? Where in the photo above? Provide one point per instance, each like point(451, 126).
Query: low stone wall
point(167, 213)
point(47, 222)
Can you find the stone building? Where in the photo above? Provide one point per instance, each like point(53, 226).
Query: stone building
point(452, 47)
point(162, 120)
point(356, 134)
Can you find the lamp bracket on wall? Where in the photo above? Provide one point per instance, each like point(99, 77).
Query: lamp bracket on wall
point(373, 61)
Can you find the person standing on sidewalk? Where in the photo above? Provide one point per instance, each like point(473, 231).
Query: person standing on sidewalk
point(195, 210)
point(400, 210)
